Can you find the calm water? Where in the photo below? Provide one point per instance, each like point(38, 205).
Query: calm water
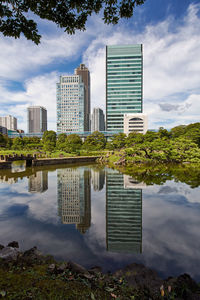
point(98, 216)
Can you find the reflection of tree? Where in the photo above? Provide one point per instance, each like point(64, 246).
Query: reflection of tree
point(159, 174)
point(74, 197)
point(123, 214)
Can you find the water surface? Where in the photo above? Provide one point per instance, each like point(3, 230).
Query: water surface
point(99, 216)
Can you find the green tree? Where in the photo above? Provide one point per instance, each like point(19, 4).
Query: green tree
point(134, 138)
point(164, 133)
point(74, 142)
point(49, 140)
point(3, 140)
point(95, 141)
point(118, 141)
point(18, 143)
point(61, 142)
point(70, 15)
point(178, 131)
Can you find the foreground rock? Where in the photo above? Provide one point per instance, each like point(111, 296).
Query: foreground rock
point(31, 275)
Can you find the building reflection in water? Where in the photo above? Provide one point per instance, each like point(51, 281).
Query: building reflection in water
point(74, 197)
point(98, 178)
point(123, 213)
point(38, 182)
point(8, 180)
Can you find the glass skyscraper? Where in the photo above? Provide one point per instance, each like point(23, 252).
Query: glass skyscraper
point(124, 73)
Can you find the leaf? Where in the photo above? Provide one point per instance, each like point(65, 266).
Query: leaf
point(108, 289)
point(92, 296)
point(3, 293)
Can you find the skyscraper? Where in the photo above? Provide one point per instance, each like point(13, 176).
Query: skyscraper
point(124, 73)
point(98, 120)
point(37, 119)
point(70, 104)
point(9, 122)
point(85, 74)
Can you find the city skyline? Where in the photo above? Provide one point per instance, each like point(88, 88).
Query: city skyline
point(169, 33)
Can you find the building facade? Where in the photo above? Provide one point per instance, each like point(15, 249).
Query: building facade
point(124, 81)
point(98, 120)
point(135, 123)
point(9, 122)
point(83, 71)
point(70, 104)
point(37, 119)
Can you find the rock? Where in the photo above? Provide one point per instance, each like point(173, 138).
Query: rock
point(186, 286)
point(33, 253)
point(62, 268)
point(9, 253)
point(95, 270)
point(13, 244)
point(77, 268)
point(139, 276)
point(121, 161)
point(51, 268)
point(1, 246)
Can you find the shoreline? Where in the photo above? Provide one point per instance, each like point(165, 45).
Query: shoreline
point(32, 275)
point(52, 161)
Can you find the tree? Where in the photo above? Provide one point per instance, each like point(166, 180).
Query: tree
point(74, 142)
point(68, 14)
point(95, 141)
point(18, 143)
point(61, 141)
point(118, 141)
point(49, 140)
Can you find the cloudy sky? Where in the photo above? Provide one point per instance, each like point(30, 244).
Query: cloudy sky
point(170, 33)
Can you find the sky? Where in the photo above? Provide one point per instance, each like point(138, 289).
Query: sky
point(170, 33)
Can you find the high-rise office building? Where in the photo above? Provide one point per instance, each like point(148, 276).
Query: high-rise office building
point(98, 120)
point(9, 122)
point(37, 119)
point(123, 215)
point(124, 73)
point(83, 71)
point(70, 104)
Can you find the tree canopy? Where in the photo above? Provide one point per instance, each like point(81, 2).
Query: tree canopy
point(68, 14)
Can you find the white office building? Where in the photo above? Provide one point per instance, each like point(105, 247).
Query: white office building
point(135, 123)
point(70, 104)
point(9, 122)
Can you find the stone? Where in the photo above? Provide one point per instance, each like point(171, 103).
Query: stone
point(9, 253)
point(1, 246)
point(77, 268)
point(95, 270)
point(51, 268)
point(13, 244)
point(62, 267)
point(139, 276)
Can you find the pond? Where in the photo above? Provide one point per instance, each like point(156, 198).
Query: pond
point(95, 215)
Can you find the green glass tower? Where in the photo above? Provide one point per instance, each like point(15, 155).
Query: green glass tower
point(124, 73)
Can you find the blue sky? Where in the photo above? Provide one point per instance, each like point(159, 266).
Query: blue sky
point(170, 33)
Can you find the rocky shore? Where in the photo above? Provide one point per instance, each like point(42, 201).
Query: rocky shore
point(32, 275)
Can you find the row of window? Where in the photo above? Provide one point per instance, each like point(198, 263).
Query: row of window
point(123, 57)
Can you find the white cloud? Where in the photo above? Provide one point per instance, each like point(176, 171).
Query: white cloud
point(171, 67)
